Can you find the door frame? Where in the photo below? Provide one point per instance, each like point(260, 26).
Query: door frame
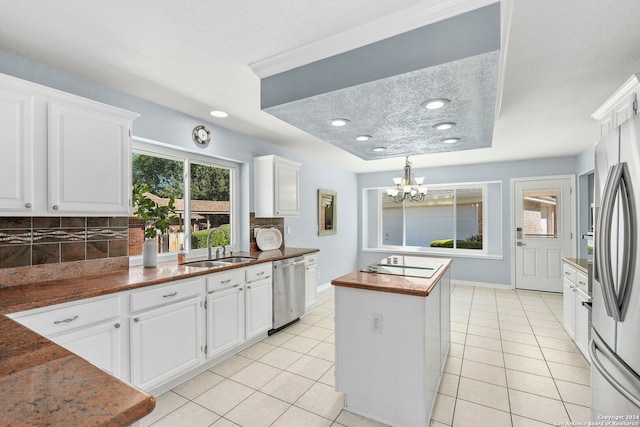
point(512, 234)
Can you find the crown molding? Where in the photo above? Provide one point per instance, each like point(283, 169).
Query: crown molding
point(632, 84)
point(396, 23)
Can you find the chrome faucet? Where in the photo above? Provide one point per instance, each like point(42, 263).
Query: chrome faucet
point(224, 250)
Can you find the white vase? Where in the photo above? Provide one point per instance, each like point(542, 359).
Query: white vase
point(149, 253)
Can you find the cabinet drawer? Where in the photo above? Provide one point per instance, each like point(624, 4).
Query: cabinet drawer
point(310, 259)
point(569, 272)
point(217, 282)
point(166, 294)
point(258, 272)
point(581, 280)
point(54, 321)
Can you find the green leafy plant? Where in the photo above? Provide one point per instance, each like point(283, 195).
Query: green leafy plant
point(157, 219)
point(199, 238)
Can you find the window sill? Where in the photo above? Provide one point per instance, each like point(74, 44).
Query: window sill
point(421, 251)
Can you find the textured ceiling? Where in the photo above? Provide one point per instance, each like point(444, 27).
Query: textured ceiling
point(559, 60)
point(390, 111)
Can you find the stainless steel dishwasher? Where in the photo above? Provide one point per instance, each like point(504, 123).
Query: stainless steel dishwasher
point(288, 292)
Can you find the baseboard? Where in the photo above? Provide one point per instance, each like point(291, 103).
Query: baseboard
point(481, 284)
point(324, 287)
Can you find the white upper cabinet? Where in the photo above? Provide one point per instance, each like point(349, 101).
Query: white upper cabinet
point(16, 150)
point(620, 106)
point(61, 154)
point(276, 187)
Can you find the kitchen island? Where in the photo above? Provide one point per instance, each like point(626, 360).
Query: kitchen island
point(392, 338)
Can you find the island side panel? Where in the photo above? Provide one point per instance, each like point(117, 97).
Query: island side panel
point(445, 317)
point(389, 375)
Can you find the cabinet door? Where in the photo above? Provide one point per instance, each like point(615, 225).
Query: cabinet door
point(225, 320)
point(258, 308)
point(165, 342)
point(568, 306)
point(99, 344)
point(16, 151)
point(286, 189)
point(582, 326)
point(89, 160)
point(311, 286)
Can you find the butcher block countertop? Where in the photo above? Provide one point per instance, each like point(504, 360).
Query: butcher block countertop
point(407, 285)
point(41, 383)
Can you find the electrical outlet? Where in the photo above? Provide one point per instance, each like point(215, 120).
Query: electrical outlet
point(376, 323)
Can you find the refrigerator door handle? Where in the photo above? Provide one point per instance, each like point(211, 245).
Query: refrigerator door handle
point(603, 254)
point(629, 219)
point(617, 373)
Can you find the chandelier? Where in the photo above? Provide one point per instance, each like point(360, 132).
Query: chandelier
point(405, 189)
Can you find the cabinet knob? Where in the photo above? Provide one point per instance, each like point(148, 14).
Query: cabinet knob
point(117, 325)
point(136, 319)
point(55, 207)
point(248, 287)
point(240, 289)
point(28, 205)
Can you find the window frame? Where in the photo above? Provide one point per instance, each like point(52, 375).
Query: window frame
point(171, 152)
point(370, 246)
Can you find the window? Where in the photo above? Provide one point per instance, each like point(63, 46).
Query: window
point(452, 218)
point(208, 184)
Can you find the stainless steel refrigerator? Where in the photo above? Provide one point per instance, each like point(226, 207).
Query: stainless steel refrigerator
point(615, 344)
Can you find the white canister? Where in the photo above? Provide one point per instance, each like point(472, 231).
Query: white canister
point(149, 253)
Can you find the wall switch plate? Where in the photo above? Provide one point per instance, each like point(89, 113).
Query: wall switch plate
point(288, 230)
point(376, 323)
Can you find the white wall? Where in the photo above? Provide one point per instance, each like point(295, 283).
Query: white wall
point(338, 253)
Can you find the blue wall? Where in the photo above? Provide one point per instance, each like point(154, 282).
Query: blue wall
point(493, 271)
point(338, 253)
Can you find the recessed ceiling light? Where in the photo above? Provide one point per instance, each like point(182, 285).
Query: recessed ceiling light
point(379, 149)
point(363, 137)
point(451, 140)
point(219, 114)
point(338, 122)
point(444, 126)
point(434, 104)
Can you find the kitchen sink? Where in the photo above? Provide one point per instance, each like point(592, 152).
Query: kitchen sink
point(220, 262)
point(206, 264)
point(236, 259)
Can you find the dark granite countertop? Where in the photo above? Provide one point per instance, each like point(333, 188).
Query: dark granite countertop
point(41, 383)
point(407, 285)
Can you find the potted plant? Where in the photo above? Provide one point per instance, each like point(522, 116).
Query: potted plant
point(156, 221)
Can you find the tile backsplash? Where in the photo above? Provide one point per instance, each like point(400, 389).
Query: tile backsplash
point(263, 223)
point(31, 241)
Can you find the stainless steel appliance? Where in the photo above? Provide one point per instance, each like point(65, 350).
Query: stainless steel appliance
point(288, 292)
point(615, 344)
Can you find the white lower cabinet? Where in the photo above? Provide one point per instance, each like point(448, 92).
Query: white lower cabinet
point(310, 281)
point(166, 332)
point(225, 312)
point(100, 344)
point(258, 308)
point(575, 315)
point(156, 335)
point(90, 328)
point(165, 342)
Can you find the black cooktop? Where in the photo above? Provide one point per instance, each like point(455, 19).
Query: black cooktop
point(404, 266)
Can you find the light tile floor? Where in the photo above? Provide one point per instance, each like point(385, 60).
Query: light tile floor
point(510, 364)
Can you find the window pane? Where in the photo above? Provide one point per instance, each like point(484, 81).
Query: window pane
point(163, 178)
point(210, 205)
point(391, 221)
point(469, 218)
point(540, 211)
point(430, 222)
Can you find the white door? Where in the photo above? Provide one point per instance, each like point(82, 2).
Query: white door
point(258, 308)
point(165, 342)
point(544, 221)
point(225, 320)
